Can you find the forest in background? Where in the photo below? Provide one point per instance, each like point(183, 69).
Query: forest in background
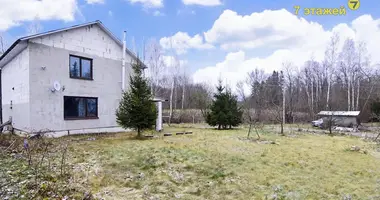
point(344, 80)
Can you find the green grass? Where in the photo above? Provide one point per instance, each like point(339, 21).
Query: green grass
point(213, 164)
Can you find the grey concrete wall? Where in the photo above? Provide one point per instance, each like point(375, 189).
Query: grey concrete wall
point(15, 88)
point(47, 107)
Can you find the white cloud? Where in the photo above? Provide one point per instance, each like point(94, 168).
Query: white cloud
point(157, 13)
point(170, 65)
point(186, 11)
point(110, 13)
point(293, 39)
point(149, 3)
point(202, 2)
point(234, 31)
point(13, 14)
point(171, 61)
point(95, 1)
point(181, 42)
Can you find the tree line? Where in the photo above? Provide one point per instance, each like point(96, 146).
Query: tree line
point(345, 80)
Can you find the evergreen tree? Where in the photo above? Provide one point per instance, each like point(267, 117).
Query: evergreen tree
point(235, 113)
point(136, 109)
point(224, 110)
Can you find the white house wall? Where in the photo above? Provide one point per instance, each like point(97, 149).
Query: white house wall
point(91, 40)
point(15, 89)
point(47, 107)
point(52, 52)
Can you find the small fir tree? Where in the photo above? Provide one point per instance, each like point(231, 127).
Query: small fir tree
point(224, 110)
point(136, 109)
point(235, 112)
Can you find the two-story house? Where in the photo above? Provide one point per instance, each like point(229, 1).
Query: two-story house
point(65, 81)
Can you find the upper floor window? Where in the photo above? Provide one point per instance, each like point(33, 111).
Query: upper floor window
point(80, 67)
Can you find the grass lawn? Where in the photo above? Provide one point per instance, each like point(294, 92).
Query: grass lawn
point(213, 164)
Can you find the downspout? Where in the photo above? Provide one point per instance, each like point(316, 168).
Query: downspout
point(123, 63)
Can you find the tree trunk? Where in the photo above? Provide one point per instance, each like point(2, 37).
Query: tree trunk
point(171, 103)
point(317, 92)
point(348, 96)
point(353, 92)
point(249, 130)
point(138, 133)
point(283, 108)
point(328, 92)
point(312, 98)
point(357, 95)
point(175, 95)
point(257, 133)
point(308, 99)
point(183, 95)
point(291, 102)
point(369, 95)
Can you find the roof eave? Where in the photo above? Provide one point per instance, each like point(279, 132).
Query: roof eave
point(12, 48)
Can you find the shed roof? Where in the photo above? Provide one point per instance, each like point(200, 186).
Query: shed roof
point(157, 99)
point(340, 113)
point(21, 43)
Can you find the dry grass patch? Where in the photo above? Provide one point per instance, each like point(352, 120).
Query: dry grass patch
point(214, 164)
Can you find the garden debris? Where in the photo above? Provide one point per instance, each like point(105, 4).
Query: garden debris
point(268, 142)
point(355, 148)
point(347, 197)
point(176, 176)
point(141, 175)
point(345, 129)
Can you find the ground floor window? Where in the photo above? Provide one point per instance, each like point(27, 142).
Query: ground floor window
point(80, 107)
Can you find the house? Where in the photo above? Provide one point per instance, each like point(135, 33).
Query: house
point(65, 81)
point(341, 118)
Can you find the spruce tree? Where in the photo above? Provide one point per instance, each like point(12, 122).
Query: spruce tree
point(235, 113)
point(136, 109)
point(224, 111)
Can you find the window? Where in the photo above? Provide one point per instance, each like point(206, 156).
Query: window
point(80, 67)
point(80, 107)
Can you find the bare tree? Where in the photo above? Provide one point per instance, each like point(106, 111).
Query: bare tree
point(202, 98)
point(331, 56)
point(348, 69)
point(2, 45)
point(34, 27)
point(289, 79)
point(363, 61)
point(157, 66)
point(255, 81)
